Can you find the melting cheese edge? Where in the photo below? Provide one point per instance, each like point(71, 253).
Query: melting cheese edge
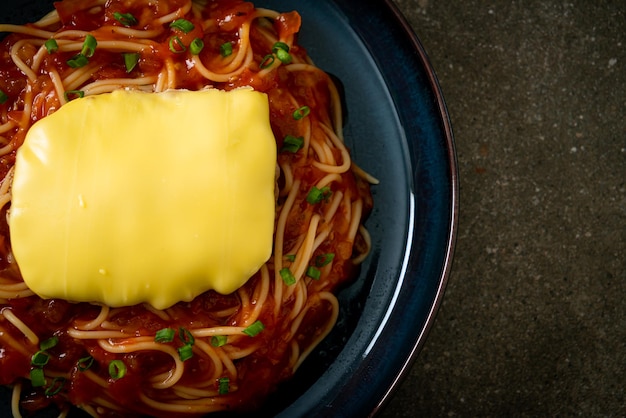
point(132, 197)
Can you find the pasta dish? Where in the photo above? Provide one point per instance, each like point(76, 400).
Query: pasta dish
point(217, 351)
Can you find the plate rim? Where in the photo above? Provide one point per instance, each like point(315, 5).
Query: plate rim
point(453, 171)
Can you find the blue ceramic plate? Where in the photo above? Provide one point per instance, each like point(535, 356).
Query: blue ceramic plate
point(398, 129)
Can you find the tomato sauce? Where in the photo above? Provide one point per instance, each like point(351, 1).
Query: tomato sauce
point(53, 318)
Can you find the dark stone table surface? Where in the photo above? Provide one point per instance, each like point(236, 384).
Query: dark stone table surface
point(533, 322)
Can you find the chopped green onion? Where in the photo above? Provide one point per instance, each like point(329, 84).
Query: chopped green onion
point(292, 143)
point(218, 340)
point(49, 343)
point(77, 61)
point(280, 46)
point(313, 272)
point(176, 45)
point(287, 276)
point(290, 257)
point(3, 97)
point(74, 94)
point(89, 46)
point(182, 24)
point(254, 329)
point(223, 385)
point(226, 49)
point(51, 46)
point(283, 56)
point(281, 50)
point(117, 369)
point(185, 352)
point(196, 46)
point(85, 363)
point(165, 335)
point(267, 61)
point(324, 259)
point(56, 386)
point(130, 60)
point(39, 359)
point(317, 195)
point(301, 112)
point(185, 336)
point(37, 377)
point(125, 19)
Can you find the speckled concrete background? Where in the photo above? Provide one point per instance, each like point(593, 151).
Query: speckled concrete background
point(534, 319)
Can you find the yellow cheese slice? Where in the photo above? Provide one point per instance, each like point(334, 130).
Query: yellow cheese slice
point(135, 197)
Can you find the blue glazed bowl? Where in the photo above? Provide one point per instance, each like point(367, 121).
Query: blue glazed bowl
point(398, 129)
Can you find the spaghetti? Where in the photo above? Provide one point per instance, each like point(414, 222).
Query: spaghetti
point(217, 352)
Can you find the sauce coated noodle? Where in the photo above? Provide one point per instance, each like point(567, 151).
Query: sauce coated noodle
point(107, 361)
